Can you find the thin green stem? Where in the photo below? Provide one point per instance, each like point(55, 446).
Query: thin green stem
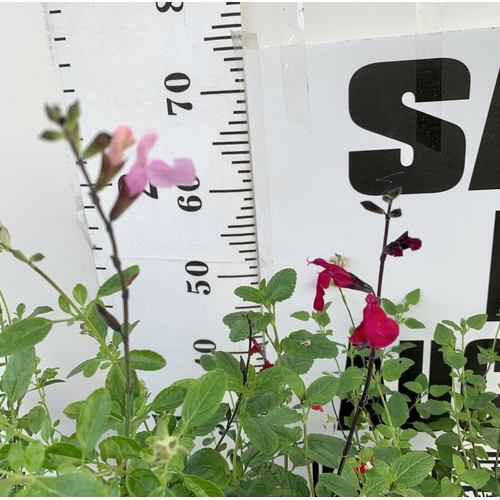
point(347, 307)
point(276, 336)
point(123, 285)
point(306, 448)
point(6, 307)
point(41, 393)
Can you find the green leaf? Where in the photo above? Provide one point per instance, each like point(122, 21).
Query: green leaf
point(201, 487)
point(37, 257)
point(91, 367)
point(61, 453)
point(301, 315)
point(297, 344)
point(387, 455)
point(99, 143)
point(458, 464)
point(439, 390)
point(282, 285)
point(209, 464)
point(326, 450)
point(413, 323)
point(64, 304)
point(73, 410)
point(398, 410)
point(72, 116)
point(476, 478)
point(298, 365)
point(444, 336)
point(93, 318)
point(452, 324)
point(375, 486)
point(112, 285)
point(393, 368)
point(448, 439)
point(146, 360)
point(209, 425)
point(251, 294)
point(207, 362)
point(79, 368)
point(231, 366)
point(477, 322)
point(282, 416)
point(413, 297)
point(93, 419)
point(78, 484)
point(389, 307)
point(52, 135)
point(238, 324)
point(17, 375)
point(414, 387)
point(263, 401)
point(119, 448)
point(23, 334)
point(80, 294)
point(36, 416)
point(449, 489)
point(203, 398)
point(40, 310)
point(168, 399)
point(412, 468)
point(337, 485)
point(350, 380)
point(322, 390)
point(259, 433)
point(432, 406)
point(455, 359)
point(272, 378)
point(141, 482)
point(274, 480)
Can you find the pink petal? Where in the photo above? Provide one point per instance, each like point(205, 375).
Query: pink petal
point(160, 174)
point(136, 180)
point(123, 138)
point(143, 148)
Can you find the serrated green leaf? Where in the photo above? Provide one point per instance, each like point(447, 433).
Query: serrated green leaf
point(251, 294)
point(449, 489)
point(238, 324)
point(263, 401)
point(326, 450)
point(438, 390)
point(261, 435)
point(477, 321)
point(203, 398)
point(274, 480)
point(303, 344)
point(231, 366)
point(40, 310)
point(112, 285)
point(92, 317)
point(458, 464)
point(393, 368)
point(398, 410)
point(119, 448)
point(79, 368)
point(412, 468)
point(282, 285)
point(337, 485)
point(455, 359)
point(282, 416)
point(91, 367)
point(298, 365)
point(64, 304)
point(209, 425)
point(93, 419)
point(61, 453)
point(141, 482)
point(413, 323)
point(209, 464)
point(146, 360)
point(414, 387)
point(34, 455)
point(476, 478)
point(413, 297)
point(18, 372)
point(301, 315)
point(350, 380)
point(23, 334)
point(432, 406)
point(78, 484)
point(444, 336)
point(36, 416)
point(322, 390)
point(80, 294)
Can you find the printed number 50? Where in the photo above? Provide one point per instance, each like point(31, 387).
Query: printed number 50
point(197, 268)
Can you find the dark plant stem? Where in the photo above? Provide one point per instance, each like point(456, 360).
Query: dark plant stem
point(123, 285)
point(245, 378)
point(364, 396)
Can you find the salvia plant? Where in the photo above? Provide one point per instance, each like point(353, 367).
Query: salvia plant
point(236, 431)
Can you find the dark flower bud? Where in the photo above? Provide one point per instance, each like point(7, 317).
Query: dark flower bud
point(392, 194)
point(53, 113)
point(110, 320)
point(371, 207)
point(243, 367)
point(395, 213)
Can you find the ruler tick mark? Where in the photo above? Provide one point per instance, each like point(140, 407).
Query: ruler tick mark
point(254, 250)
point(237, 69)
point(239, 112)
point(235, 152)
point(60, 39)
point(230, 14)
point(241, 162)
point(65, 65)
point(228, 143)
point(101, 268)
point(247, 180)
point(54, 11)
point(68, 91)
point(241, 225)
point(88, 206)
point(213, 92)
point(237, 276)
point(222, 26)
point(228, 59)
point(235, 132)
point(237, 47)
point(244, 171)
point(251, 258)
point(93, 228)
point(247, 199)
point(245, 217)
point(238, 80)
point(243, 101)
point(238, 234)
point(246, 208)
point(210, 38)
point(243, 190)
point(238, 122)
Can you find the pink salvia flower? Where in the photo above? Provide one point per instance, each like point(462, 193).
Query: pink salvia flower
point(122, 138)
point(376, 329)
point(112, 159)
point(157, 172)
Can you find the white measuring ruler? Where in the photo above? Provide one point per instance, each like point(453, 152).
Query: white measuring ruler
point(171, 68)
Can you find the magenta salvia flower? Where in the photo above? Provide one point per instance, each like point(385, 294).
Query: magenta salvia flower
point(157, 172)
point(402, 243)
point(339, 277)
point(376, 329)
